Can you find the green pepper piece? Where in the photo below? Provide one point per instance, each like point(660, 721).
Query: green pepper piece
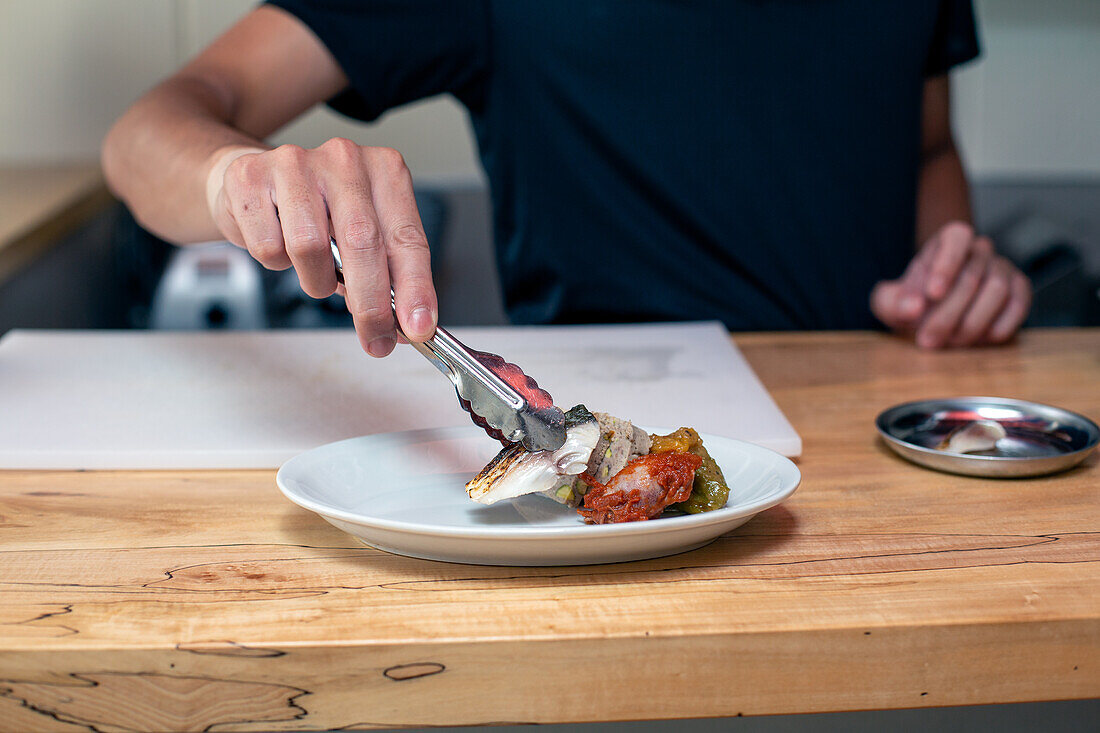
point(709, 490)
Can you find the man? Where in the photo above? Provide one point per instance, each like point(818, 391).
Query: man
point(769, 163)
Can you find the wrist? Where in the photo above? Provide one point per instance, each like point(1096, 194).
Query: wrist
point(218, 162)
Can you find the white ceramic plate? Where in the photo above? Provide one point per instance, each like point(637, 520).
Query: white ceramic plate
point(404, 493)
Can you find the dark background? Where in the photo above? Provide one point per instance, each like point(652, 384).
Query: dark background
point(104, 274)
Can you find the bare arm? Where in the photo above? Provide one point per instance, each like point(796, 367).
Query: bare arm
point(942, 192)
point(189, 160)
point(956, 291)
point(157, 156)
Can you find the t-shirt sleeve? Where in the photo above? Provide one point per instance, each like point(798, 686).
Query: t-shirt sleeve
point(397, 51)
point(954, 37)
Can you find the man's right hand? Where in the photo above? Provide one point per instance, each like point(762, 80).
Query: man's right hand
point(282, 204)
point(189, 161)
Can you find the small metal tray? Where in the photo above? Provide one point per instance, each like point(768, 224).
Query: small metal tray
point(1040, 439)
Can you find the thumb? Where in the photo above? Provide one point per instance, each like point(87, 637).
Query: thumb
point(897, 304)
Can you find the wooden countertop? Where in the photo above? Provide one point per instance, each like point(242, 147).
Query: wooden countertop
point(40, 204)
point(173, 600)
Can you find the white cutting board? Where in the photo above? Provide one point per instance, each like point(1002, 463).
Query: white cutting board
point(133, 399)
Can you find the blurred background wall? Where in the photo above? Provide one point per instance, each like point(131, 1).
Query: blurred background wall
point(77, 64)
point(1027, 116)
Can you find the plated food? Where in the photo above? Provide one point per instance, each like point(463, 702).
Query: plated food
point(610, 470)
point(404, 493)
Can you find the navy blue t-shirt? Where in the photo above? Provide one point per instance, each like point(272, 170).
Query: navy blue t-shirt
point(752, 161)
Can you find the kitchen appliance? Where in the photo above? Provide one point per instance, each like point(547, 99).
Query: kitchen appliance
point(213, 285)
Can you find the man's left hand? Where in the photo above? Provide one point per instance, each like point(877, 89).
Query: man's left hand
point(956, 292)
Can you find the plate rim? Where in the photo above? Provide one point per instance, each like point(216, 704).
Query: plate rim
point(880, 420)
point(534, 532)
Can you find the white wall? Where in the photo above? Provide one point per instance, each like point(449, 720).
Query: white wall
point(1029, 108)
point(68, 68)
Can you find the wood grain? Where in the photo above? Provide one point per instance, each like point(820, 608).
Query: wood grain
point(203, 600)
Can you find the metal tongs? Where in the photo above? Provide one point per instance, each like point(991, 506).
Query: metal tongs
point(501, 399)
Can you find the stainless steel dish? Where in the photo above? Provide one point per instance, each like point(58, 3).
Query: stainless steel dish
point(1040, 439)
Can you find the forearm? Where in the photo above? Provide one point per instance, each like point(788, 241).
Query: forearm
point(942, 192)
point(956, 291)
point(158, 156)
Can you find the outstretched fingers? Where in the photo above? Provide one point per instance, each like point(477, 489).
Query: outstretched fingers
point(252, 220)
point(304, 220)
point(406, 247)
point(362, 250)
point(284, 204)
